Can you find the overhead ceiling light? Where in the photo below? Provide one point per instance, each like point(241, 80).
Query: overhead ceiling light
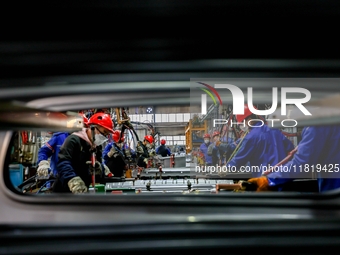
point(149, 110)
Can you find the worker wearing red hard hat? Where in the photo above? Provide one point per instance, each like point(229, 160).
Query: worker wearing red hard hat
point(114, 156)
point(74, 165)
point(145, 150)
point(216, 156)
point(204, 149)
point(163, 150)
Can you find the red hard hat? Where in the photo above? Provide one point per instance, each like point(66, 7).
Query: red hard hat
point(148, 138)
point(246, 114)
point(163, 141)
point(206, 136)
point(103, 120)
point(116, 135)
point(215, 133)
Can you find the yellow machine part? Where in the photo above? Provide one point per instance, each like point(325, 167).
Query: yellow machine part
point(128, 173)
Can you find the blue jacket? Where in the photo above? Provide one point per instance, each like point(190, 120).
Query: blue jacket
point(163, 151)
point(319, 145)
point(232, 145)
point(261, 147)
point(51, 149)
point(204, 150)
point(108, 148)
point(115, 164)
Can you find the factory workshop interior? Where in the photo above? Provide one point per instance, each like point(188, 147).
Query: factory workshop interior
point(178, 157)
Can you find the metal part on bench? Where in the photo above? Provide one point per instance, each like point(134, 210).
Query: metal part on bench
point(169, 185)
point(188, 172)
point(168, 172)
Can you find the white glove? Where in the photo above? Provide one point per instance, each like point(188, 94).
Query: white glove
point(146, 161)
point(140, 149)
point(152, 152)
point(97, 167)
point(42, 171)
point(128, 153)
point(76, 185)
point(112, 152)
point(107, 171)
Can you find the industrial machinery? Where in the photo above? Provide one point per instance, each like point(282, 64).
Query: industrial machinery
point(194, 132)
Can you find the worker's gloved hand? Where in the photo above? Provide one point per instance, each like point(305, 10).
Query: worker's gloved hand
point(76, 185)
point(140, 149)
point(261, 182)
point(43, 169)
point(107, 171)
point(97, 167)
point(128, 153)
point(146, 161)
point(152, 152)
point(112, 152)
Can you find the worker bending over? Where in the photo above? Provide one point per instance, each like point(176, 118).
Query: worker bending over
point(261, 146)
point(318, 151)
point(74, 167)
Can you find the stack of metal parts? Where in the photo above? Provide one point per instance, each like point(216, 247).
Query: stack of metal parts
point(186, 173)
point(178, 172)
point(166, 185)
point(172, 180)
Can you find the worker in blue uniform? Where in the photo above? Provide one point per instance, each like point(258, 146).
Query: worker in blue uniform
point(219, 149)
point(114, 155)
point(163, 150)
point(319, 149)
point(50, 150)
point(204, 149)
point(261, 147)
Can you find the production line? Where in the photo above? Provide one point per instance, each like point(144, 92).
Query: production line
point(171, 180)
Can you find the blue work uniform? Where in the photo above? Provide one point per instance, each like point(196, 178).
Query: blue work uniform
point(163, 151)
point(261, 147)
point(204, 150)
point(51, 149)
point(319, 145)
point(232, 145)
point(116, 164)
